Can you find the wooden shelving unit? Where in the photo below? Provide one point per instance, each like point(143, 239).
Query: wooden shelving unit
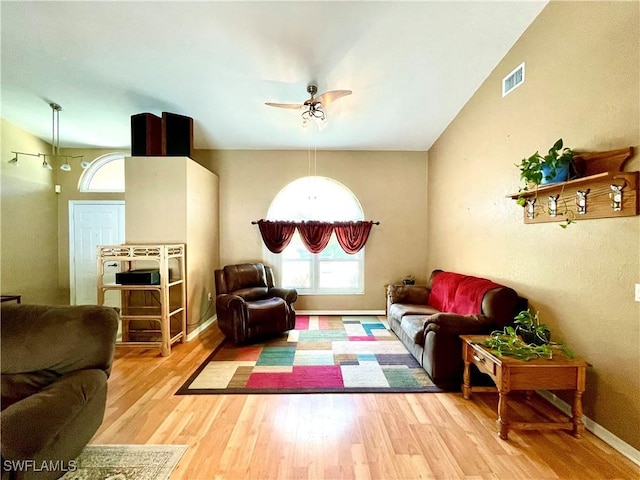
point(152, 315)
point(599, 173)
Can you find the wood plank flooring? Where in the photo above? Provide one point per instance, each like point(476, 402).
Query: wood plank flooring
point(336, 436)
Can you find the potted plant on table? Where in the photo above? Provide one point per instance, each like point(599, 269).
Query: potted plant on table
point(527, 340)
point(528, 326)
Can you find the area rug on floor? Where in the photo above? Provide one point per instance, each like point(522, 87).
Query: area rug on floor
point(324, 354)
point(126, 462)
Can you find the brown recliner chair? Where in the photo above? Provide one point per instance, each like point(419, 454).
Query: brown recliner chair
point(249, 306)
point(55, 365)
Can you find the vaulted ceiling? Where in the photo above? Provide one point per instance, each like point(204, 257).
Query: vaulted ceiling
point(411, 66)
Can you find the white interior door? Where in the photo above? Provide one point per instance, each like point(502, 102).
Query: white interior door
point(92, 224)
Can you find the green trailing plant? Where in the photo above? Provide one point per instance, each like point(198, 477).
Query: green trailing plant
point(536, 168)
point(529, 339)
point(531, 168)
point(507, 342)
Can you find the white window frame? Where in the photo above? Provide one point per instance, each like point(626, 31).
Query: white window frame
point(314, 260)
point(93, 168)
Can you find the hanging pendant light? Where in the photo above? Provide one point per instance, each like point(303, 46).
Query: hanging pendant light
point(55, 135)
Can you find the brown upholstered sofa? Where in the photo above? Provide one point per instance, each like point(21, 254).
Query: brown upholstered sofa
point(55, 365)
point(429, 319)
point(249, 306)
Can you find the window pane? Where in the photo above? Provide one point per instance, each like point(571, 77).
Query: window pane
point(296, 273)
point(332, 271)
point(334, 250)
point(339, 274)
point(296, 249)
point(315, 198)
point(110, 178)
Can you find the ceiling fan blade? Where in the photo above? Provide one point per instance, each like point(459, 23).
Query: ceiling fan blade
point(294, 106)
point(328, 97)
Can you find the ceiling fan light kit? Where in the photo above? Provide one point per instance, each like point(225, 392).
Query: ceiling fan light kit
point(313, 109)
point(55, 145)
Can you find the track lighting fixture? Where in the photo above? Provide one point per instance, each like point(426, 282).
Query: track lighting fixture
point(55, 145)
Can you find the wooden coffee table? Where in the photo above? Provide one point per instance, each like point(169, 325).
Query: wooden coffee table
point(510, 374)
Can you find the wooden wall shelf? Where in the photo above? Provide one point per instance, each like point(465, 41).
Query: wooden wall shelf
point(599, 171)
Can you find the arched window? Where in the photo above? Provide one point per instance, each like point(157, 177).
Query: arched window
point(331, 271)
point(104, 174)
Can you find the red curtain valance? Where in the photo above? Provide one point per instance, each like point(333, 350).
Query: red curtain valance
point(276, 235)
point(352, 235)
point(315, 235)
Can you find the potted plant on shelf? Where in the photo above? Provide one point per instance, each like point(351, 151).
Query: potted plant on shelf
point(538, 170)
point(554, 167)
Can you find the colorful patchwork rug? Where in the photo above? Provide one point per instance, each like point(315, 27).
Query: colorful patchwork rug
point(324, 354)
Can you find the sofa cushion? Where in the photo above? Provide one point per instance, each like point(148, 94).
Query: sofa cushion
point(18, 386)
point(399, 310)
point(416, 294)
point(245, 275)
point(461, 294)
point(45, 413)
point(264, 311)
point(251, 294)
point(413, 327)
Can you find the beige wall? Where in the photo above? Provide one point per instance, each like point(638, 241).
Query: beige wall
point(391, 187)
point(582, 84)
point(203, 241)
point(175, 200)
point(29, 262)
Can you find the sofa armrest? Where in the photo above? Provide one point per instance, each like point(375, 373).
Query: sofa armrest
point(413, 294)
point(289, 295)
point(454, 324)
point(31, 424)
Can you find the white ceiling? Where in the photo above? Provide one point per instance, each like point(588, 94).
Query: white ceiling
point(411, 65)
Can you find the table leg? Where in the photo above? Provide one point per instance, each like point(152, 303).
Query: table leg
point(503, 422)
point(576, 411)
point(466, 381)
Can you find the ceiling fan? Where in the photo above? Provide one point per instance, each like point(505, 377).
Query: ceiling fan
point(314, 106)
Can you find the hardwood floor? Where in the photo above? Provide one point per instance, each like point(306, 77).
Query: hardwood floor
point(336, 436)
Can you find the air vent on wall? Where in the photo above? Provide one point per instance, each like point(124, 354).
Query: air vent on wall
point(513, 80)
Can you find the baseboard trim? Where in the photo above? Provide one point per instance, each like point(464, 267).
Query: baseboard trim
point(201, 328)
point(341, 312)
point(598, 430)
